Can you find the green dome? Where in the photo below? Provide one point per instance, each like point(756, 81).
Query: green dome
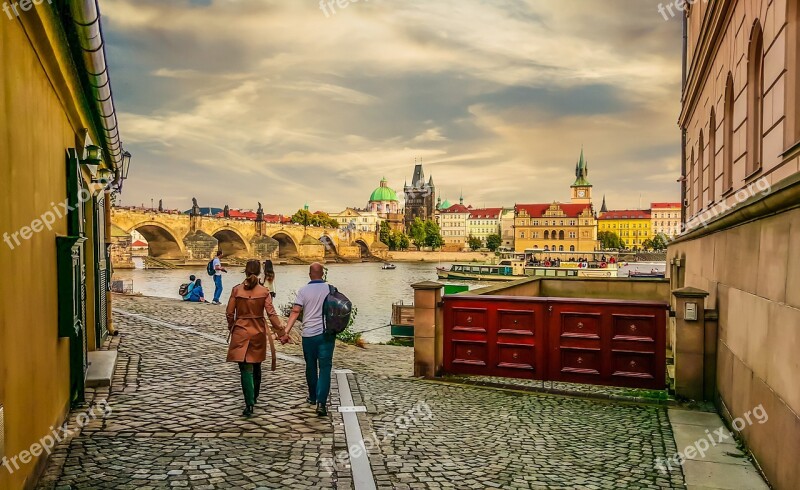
point(446, 204)
point(383, 193)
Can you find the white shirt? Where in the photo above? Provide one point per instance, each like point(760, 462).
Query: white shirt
point(311, 297)
point(217, 263)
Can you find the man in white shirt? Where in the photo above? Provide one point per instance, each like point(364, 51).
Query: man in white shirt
point(317, 346)
point(218, 278)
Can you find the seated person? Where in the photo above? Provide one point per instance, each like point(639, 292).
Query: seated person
point(189, 289)
point(197, 296)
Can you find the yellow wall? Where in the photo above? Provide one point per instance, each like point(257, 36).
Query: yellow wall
point(632, 231)
point(39, 121)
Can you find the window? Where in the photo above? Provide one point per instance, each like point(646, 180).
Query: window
point(522, 234)
point(572, 248)
point(712, 156)
point(572, 234)
point(755, 99)
point(561, 235)
point(727, 150)
point(535, 222)
point(546, 235)
point(700, 165)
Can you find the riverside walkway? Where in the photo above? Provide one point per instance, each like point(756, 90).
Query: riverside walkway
point(174, 420)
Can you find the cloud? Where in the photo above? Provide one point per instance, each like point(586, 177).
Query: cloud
point(239, 101)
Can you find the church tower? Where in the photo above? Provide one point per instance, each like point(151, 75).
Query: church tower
point(581, 188)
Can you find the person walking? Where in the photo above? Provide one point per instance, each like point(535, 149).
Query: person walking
point(317, 345)
point(218, 270)
point(247, 325)
point(269, 277)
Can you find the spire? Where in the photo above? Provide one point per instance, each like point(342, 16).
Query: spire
point(581, 172)
point(603, 208)
point(461, 197)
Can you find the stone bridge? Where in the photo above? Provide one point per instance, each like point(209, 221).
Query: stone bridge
point(183, 238)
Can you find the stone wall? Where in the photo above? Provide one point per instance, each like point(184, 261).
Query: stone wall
point(417, 256)
point(752, 274)
point(200, 246)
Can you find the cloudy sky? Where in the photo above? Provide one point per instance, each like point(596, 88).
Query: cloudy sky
point(239, 101)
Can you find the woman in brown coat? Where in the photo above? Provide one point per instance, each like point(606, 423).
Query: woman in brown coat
point(248, 331)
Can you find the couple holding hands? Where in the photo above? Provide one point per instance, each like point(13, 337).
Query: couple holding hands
point(250, 307)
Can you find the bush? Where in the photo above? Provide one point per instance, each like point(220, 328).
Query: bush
point(348, 335)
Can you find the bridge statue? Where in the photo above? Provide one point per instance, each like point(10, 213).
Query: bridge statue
point(260, 213)
point(226, 212)
point(195, 208)
point(160, 206)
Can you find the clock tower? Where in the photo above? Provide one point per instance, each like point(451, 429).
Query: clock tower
point(581, 188)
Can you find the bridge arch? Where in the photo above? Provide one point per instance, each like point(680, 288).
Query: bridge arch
point(161, 240)
point(330, 246)
point(231, 242)
point(287, 246)
point(365, 253)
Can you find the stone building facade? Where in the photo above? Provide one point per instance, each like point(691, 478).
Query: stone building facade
point(420, 197)
point(741, 197)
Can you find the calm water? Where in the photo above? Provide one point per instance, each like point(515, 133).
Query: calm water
point(371, 289)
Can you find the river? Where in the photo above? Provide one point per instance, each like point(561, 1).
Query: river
point(371, 289)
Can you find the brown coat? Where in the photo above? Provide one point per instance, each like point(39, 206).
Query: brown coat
point(248, 326)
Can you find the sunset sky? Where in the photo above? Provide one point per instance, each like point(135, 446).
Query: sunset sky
point(239, 101)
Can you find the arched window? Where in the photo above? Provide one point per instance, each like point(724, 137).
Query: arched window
point(561, 235)
point(712, 156)
point(572, 248)
point(546, 235)
point(700, 164)
point(546, 249)
point(691, 192)
point(553, 234)
point(727, 142)
point(755, 99)
point(561, 248)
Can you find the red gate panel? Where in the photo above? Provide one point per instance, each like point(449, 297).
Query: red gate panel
point(610, 342)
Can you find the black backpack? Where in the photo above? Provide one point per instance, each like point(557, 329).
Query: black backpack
point(183, 289)
point(336, 311)
point(210, 268)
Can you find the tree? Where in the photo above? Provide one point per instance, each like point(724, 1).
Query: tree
point(417, 233)
point(303, 217)
point(647, 244)
point(400, 240)
point(433, 237)
point(609, 239)
point(660, 242)
point(493, 242)
point(386, 235)
point(323, 220)
point(474, 243)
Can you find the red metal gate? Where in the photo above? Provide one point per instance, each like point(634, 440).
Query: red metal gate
point(596, 341)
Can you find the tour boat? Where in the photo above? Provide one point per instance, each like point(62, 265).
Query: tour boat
point(652, 274)
point(505, 270)
point(552, 263)
point(388, 267)
point(536, 263)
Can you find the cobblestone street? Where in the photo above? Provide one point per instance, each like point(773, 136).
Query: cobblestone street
point(175, 421)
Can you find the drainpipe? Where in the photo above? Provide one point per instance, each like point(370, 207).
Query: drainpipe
point(86, 17)
point(683, 131)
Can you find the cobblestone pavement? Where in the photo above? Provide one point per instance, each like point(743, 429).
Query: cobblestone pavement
point(175, 422)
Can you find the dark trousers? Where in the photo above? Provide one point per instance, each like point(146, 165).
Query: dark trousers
point(318, 353)
point(250, 374)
